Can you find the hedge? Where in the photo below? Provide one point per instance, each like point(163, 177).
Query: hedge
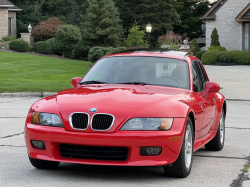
point(43, 47)
point(199, 54)
point(216, 48)
point(97, 52)
point(19, 45)
point(52, 42)
point(240, 57)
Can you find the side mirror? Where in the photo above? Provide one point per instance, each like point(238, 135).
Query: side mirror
point(211, 87)
point(75, 81)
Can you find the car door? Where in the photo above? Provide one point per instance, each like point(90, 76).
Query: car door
point(207, 103)
point(199, 101)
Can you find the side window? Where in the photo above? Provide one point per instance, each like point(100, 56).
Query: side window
point(196, 78)
point(203, 75)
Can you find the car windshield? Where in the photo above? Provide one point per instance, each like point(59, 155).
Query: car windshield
point(139, 70)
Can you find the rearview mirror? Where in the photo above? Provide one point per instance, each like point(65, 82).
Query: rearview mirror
point(75, 81)
point(211, 87)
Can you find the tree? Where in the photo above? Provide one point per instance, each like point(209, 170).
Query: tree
point(47, 29)
point(136, 38)
point(128, 10)
point(160, 13)
point(67, 37)
point(102, 26)
point(215, 38)
point(190, 12)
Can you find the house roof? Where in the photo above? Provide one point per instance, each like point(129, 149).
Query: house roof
point(244, 15)
point(211, 13)
point(6, 3)
point(11, 6)
point(14, 8)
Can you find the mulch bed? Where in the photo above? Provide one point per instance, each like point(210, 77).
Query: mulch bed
point(225, 64)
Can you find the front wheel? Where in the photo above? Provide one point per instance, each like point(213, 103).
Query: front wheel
point(43, 164)
point(181, 168)
point(217, 143)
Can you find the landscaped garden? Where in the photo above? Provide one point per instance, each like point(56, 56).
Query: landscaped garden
point(30, 73)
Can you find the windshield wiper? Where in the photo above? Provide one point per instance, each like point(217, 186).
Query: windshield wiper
point(138, 83)
point(92, 82)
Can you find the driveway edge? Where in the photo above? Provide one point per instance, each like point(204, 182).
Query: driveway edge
point(28, 94)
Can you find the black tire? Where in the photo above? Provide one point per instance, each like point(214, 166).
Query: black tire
point(179, 169)
point(43, 164)
point(216, 144)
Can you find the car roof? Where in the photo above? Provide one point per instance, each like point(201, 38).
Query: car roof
point(152, 53)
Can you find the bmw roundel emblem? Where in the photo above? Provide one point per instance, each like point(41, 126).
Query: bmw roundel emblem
point(93, 110)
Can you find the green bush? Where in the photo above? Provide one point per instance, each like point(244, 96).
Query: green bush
point(225, 58)
point(43, 47)
point(96, 53)
point(67, 36)
point(81, 50)
point(136, 38)
point(200, 53)
point(240, 57)
point(8, 38)
point(194, 47)
point(216, 48)
point(215, 38)
point(19, 45)
point(52, 42)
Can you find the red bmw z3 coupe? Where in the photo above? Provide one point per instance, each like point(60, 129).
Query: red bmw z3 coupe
point(131, 109)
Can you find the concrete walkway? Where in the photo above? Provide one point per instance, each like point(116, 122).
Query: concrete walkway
point(235, 80)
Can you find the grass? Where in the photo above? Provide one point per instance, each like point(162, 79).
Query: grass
point(30, 73)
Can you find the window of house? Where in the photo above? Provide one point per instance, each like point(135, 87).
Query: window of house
point(246, 29)
point(10, 26)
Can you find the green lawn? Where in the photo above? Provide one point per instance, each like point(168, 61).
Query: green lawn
point(30, 73)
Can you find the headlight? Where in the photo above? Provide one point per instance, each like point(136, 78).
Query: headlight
point(148, 124)
point(46, 119)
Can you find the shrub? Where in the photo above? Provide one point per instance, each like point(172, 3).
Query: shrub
point(19, 45)
point(96, 53)
point(216, 48)
point(67, 36)
point(170, 39)
point(81, 50)
point(225, 58)
point(52, 42)
point(194, 47)
point(240, 57)
point(8, 38)
point(200, 53)
point(215, 38)
point(135, 38)
point(47, 29)
point(43, 47)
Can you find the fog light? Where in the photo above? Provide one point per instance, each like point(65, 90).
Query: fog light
point(38, 144)
point(150, 151)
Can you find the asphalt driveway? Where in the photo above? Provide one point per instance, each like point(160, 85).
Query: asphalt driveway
point(209, 168)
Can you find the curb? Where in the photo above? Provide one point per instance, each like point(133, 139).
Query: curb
point(28, 94)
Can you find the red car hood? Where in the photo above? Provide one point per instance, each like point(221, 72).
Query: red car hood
point(123, 102)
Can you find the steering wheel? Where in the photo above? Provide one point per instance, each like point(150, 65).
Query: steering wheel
point(176, 80)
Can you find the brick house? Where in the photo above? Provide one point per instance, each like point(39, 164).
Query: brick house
point(232, 20)
point(8, 18)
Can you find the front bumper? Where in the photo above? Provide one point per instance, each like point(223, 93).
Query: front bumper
point(170, 141)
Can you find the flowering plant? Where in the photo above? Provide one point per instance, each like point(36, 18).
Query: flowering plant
point(171, 39)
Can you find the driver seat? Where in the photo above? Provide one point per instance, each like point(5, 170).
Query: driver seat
point(180, 73)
